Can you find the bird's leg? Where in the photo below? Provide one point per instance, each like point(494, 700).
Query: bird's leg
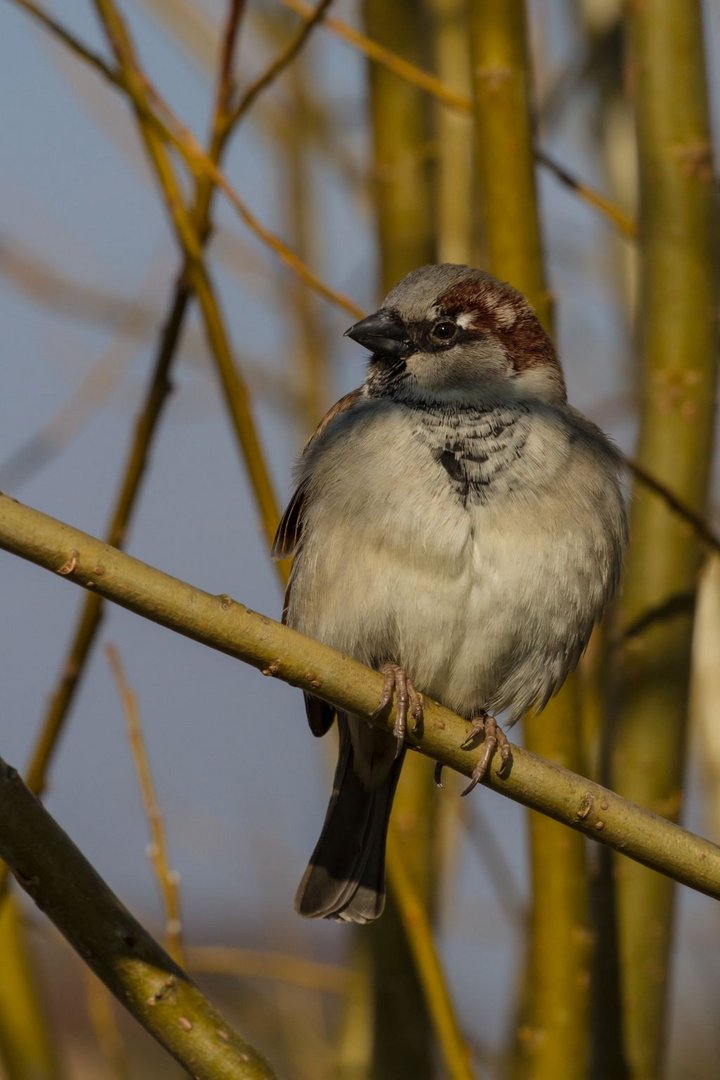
point(407, 698)
point(494, 738)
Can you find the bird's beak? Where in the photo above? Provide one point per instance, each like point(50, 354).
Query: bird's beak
point(384, 333)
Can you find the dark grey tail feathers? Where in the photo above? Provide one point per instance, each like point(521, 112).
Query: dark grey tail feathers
point(345, 878)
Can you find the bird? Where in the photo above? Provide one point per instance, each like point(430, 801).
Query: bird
point(456, 525)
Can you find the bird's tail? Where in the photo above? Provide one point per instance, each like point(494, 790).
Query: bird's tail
point(345, 878)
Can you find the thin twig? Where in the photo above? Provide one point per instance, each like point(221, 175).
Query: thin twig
point(71, 41)
point(455, 99)
point(261, 964)
point(130, 484)
point(225, 82)
point(169, 128)
point(697, 522)
point(290, 258)
point(480, 833)
point(173, 131)
point(47, 284)
point(428, 966)
point(89, 397)
point(234, 389)
point(105, 1026)
point(28, 1046)
point(168, 880)
point(284, 58)
point(622, 221)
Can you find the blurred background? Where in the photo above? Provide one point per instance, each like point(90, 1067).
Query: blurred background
point(89, 264)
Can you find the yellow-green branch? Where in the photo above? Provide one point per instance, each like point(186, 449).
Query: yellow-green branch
point(677, 324)
point(132, 965)
point(226, 625)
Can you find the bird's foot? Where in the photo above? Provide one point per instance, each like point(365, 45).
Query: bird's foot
point(493, 739)
point(407, 699)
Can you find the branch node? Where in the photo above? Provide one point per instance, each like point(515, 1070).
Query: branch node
point(70, 564)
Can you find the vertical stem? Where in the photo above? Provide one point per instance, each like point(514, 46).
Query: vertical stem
point(26, 1043)
point(405, 220)
point(454, 198)
point(553, 1037)
point(401, 143)
point(311, 372)
point(678, 339)
point(504, 151)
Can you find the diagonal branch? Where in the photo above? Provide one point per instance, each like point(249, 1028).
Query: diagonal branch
point(129, 961)
point(168, 880)
point(146, 426)
point(283, 60)
point(70, 41)
point(223, 624)
point(166, 128)
point(190, 243)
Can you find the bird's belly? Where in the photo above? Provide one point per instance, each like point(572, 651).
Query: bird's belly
point(475, 611)
point(486, 596)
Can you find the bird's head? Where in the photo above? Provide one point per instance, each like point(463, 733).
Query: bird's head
point(451, 334)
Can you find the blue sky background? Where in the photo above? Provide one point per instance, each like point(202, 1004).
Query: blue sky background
point(242, 783)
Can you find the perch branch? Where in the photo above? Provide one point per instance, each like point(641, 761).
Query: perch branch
point(226, 625)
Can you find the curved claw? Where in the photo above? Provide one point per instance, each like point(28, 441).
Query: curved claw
point(396, 684)
point(495, 739)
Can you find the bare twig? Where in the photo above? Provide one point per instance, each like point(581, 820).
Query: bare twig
point(28, 1046)
point(284, 58)
point(622, 221)
point(696, 521)
point(89, 397)
point(380, 54)
point(168, 880)
point(226, 81)
point(189, 240)
point(130, 484)
point(416, 924)
point(104, 1024)
point(47, 284)
point(171, 130)
point(278, 967)
point(70, 41)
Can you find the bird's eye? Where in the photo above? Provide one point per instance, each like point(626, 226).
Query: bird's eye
point(444, 330)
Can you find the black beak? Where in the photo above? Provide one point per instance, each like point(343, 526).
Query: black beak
point(384, 333)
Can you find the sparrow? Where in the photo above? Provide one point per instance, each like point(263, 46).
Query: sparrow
point(455, 525)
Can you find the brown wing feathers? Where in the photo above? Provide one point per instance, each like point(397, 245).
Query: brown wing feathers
point(287, 542)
